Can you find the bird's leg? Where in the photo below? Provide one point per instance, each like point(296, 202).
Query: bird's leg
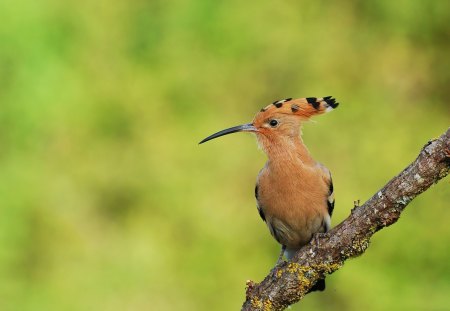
point(280, 258)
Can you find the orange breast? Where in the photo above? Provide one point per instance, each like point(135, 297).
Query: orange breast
point(293, 200)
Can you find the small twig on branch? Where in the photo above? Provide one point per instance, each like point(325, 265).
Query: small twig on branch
point(289, 282)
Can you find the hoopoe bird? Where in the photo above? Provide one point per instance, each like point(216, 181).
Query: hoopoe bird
point(294, 193)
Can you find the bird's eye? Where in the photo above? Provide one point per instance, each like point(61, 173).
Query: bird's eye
point(273, 123)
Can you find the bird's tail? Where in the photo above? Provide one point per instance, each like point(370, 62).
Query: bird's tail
point(319, 286)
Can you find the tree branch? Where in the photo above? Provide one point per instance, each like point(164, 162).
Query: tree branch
point(289, 282)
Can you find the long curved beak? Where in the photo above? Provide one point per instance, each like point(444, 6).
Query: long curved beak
point(240, 128)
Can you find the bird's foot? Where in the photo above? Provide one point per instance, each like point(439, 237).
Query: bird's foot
point(317, 237)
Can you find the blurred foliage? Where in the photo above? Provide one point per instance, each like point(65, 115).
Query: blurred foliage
point(107, 201)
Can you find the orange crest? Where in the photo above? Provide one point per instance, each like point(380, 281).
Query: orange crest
point(302, 107)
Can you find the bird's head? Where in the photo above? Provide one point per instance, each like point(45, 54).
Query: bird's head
point(281, 119)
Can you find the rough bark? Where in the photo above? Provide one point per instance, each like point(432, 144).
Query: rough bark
point(289, 282)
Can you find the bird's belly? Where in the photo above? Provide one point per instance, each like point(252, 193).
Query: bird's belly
point(294, 216)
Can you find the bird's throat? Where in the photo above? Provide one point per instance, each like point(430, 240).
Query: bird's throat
point(286, 151)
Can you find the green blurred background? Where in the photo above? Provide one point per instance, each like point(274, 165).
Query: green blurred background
point(108, 203)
